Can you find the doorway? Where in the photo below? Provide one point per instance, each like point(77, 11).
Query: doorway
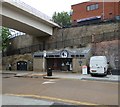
point(22, 65)
point(59, 64)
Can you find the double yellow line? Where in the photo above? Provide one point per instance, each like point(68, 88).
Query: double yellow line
point(52, 98)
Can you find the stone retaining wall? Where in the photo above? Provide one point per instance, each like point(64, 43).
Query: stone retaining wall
point(103, 37)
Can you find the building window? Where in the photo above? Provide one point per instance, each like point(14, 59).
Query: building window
point(92, 7)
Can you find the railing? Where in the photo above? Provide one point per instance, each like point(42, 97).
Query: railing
point(15, 33)
point(78, 42)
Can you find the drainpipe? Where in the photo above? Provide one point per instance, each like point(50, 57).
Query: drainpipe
point(62, 39)
point(103, 10)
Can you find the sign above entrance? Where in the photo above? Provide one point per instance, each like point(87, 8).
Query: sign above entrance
point(67, 53)
point(64, 54)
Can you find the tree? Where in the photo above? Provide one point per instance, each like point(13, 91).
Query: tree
point(5, 35)
point(62, 19)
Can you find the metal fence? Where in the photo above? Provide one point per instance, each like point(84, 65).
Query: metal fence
point(79, 42)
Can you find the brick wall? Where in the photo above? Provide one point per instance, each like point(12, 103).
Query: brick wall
point(111, 9)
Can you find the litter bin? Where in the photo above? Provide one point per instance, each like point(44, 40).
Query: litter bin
point(84, 69)
point(49, 72)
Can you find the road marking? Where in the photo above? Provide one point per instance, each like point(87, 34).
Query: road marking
point(48, 82)
point(53, 80)
point(53, 99)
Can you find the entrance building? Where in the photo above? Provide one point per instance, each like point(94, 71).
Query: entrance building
point(70, 60)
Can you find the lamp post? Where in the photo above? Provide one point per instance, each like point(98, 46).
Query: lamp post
point(44, 55)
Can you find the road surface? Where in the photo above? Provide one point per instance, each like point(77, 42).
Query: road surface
point(69, 91)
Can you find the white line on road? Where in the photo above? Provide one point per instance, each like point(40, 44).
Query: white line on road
point(48, 82)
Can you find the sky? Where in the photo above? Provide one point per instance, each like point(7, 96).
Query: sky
point(48, 7)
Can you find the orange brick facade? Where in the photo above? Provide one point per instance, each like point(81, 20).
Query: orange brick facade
point(106, 10)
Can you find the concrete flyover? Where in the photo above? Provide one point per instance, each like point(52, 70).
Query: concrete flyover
point(22, 17)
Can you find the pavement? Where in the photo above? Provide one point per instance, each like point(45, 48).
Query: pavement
point(60, 75)
point(110, 78)
point(11, 101)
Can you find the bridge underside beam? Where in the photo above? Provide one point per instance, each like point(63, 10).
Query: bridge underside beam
point(13, 24)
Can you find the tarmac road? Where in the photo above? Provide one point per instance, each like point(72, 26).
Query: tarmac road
point(69, 91)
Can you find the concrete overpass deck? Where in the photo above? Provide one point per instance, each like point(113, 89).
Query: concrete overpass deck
point(22, 17)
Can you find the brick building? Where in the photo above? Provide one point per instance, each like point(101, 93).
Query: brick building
point(95, 10)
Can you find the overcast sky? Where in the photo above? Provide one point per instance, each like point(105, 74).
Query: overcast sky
point(50, 6)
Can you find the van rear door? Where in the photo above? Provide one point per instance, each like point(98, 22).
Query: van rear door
point(97, 66)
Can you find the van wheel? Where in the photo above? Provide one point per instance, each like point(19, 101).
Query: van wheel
point(92, 75)
point(106, 73)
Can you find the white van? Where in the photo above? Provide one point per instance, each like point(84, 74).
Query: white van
point(98, 65)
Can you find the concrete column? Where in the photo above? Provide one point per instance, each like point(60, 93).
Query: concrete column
point(38, 64)
point(76, 65)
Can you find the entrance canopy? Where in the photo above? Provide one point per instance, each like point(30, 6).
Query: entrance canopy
point(65, 53)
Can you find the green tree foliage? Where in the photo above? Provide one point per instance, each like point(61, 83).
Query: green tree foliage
point(5, 34)
point(62, 19)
